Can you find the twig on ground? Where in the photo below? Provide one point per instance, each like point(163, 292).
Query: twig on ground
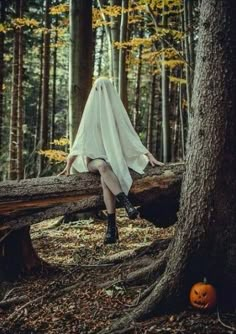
point(16, 315)
point(222, 323)
point(12, 301)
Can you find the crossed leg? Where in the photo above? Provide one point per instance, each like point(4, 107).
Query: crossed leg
point(111, 188)
point(109, 181)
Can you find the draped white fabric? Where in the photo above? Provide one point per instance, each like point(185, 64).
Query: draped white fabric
point(106, 132)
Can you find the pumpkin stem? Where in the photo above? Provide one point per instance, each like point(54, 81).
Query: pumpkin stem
point(205, 280)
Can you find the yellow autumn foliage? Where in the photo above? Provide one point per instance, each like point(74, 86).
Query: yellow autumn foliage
point(25, 22)
point(172, 63)
point(3, 28)
point(163, 3)
point(61, 142)
point(168, 53)
point(54, 155)
point(59, 9)
point(177, 80)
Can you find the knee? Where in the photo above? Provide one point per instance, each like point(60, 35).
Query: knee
point(103, 167)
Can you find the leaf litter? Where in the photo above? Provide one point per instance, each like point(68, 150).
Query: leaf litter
point(68, 298)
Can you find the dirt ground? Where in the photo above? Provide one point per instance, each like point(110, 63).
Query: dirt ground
point(72, 295)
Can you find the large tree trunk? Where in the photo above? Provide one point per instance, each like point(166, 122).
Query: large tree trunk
point(12, 174)
point(204, 244)
point(20, 139)
point(165, 98)
point(45, 89)
point(122, 55)
point(54, 86)
point(80, 62)
point(115, 35)
point(2, 42)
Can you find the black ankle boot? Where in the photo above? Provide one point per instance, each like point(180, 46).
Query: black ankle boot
point(111, 236)
point(130, 209)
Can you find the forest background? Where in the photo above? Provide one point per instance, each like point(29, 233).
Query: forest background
point(50, 55)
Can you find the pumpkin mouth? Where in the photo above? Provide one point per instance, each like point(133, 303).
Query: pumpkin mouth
point(201, 304)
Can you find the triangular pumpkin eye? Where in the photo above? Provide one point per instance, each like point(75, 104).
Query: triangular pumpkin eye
point(195, 291)
point(204, 294)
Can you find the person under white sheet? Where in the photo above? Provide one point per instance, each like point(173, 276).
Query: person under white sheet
point(106, 143)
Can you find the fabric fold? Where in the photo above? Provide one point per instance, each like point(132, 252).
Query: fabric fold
point(106, 132)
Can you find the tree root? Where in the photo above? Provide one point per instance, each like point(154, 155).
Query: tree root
point(147, 274)
point(155, 247)
point(157, 299)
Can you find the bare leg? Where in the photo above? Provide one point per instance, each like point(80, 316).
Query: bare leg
point(112, 183)
point(108, 176)
point(98, 165)
point(109, 198)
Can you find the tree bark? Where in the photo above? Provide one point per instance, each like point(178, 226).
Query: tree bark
point(204, 244)
point(80, 62)
point(17, 255)
point(12, 173)
point(115, 36)
point(165, 97)
point(2, 42)
point(31, 201)
point(54, 86)
point(43, 143)
point(20, 139)
point(122, 55)
point(55, 196)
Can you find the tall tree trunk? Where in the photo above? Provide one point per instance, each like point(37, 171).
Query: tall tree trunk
point(100, 37)
point(188, 51)
point(156, 147)
point(164, 93)
point(12, 172)
point(81, 61)
point(54, 86)
point(182, 125)
point(2, 39)
point(45, 89)
point(204, 244)
point(102, 3)
point(37, 126)
point(150, 114)
point(122, 55)
point(115, 34)
point(175, 120)
point(138, 83)
point(20, 141)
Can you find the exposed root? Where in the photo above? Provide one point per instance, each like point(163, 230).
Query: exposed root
point(157, 300)
point(155, 247)
point(147, 274)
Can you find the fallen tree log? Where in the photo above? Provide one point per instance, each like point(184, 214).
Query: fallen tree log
point(33, 200)
point(30, 201)
point(48, 197)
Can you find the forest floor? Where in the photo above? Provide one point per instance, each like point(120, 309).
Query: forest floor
point(70, 296)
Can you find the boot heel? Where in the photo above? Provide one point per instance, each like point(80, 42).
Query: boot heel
point(129, 208)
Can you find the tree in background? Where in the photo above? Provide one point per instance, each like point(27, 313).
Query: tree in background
point(2, 38)
point(80, 65)
point(44, 112)
point(138, 49)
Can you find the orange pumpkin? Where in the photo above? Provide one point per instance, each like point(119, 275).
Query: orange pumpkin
point(203, 295)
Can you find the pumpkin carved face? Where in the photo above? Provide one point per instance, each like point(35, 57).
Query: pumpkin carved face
point(203, 296)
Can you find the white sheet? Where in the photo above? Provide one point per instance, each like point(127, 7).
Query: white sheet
point(106, 132)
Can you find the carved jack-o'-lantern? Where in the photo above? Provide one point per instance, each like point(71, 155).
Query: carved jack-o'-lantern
point(203, 295)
